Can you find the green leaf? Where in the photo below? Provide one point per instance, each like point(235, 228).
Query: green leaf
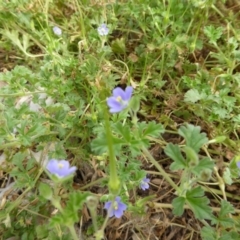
point(234, 168)
point(199, 203)
point(137, 144)
point(227, 176)
point(123, 131)
point(213, 33)
point(42, 231)
point(76, 200)
point(36, 129)
point(135, 104)
point(178, 204)
point(218, 139)
point(173, 151)
point(30, 164)
point(208, 233)
point(192, 96)
point(45, 191)
point(56, 220)
point(151, 129)
point(220, 112)
point(223, 219)
point(204, 164)
point(232, 235)
point(70, 214)
point(193, 137)
point(236, 54)
point(100, 146)
point(196, 192)
point(191, 156)
point(118, 45)
point(18, 159)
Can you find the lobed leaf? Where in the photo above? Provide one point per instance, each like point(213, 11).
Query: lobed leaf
point(193, 137)
point(173, 151)
point(199, 203)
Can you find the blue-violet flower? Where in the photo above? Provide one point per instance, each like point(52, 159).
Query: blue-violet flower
point(115, 208)
point(238, 164)
point(57, 31)
point(60, 168)
point(119, 99)
point(103, 30)
point(144, 183)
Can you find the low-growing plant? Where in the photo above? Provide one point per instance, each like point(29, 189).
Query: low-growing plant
point(107, 108)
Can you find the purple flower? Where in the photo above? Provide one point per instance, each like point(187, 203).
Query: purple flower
point(103, 30)
point(115, 208)
point(57, 31)
point(238, 164)
point(119, 99)
point(144, 183)
point(60, 168)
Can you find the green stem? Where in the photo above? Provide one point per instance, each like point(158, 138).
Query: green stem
point(160, 169)
point(100, 233)
point(20, 94)
point(11, 144)
point(92, 183)
point(114, 182)
point(93, 213)
point(169, 205)
point(81, 21)
point(18, 143)
point(92, 203)
point(56, 203)
point(73, 233)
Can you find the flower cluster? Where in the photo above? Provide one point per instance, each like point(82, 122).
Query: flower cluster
point(60, 168)
point(119, 99)
point(115, 208)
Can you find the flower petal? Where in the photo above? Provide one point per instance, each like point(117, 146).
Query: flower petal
point(122, 206)
point(128, 93)
point(118, 199)
point(107, 205)
point(60, 168)
point(118, 213)
point(111, 212)
point(52, 165)
point(115, 110)
point(64, 163)
point(119, 92)
point(112, 102)
point(119, 99)
point(144, 183)
point(114, 105)
point(72, 170)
